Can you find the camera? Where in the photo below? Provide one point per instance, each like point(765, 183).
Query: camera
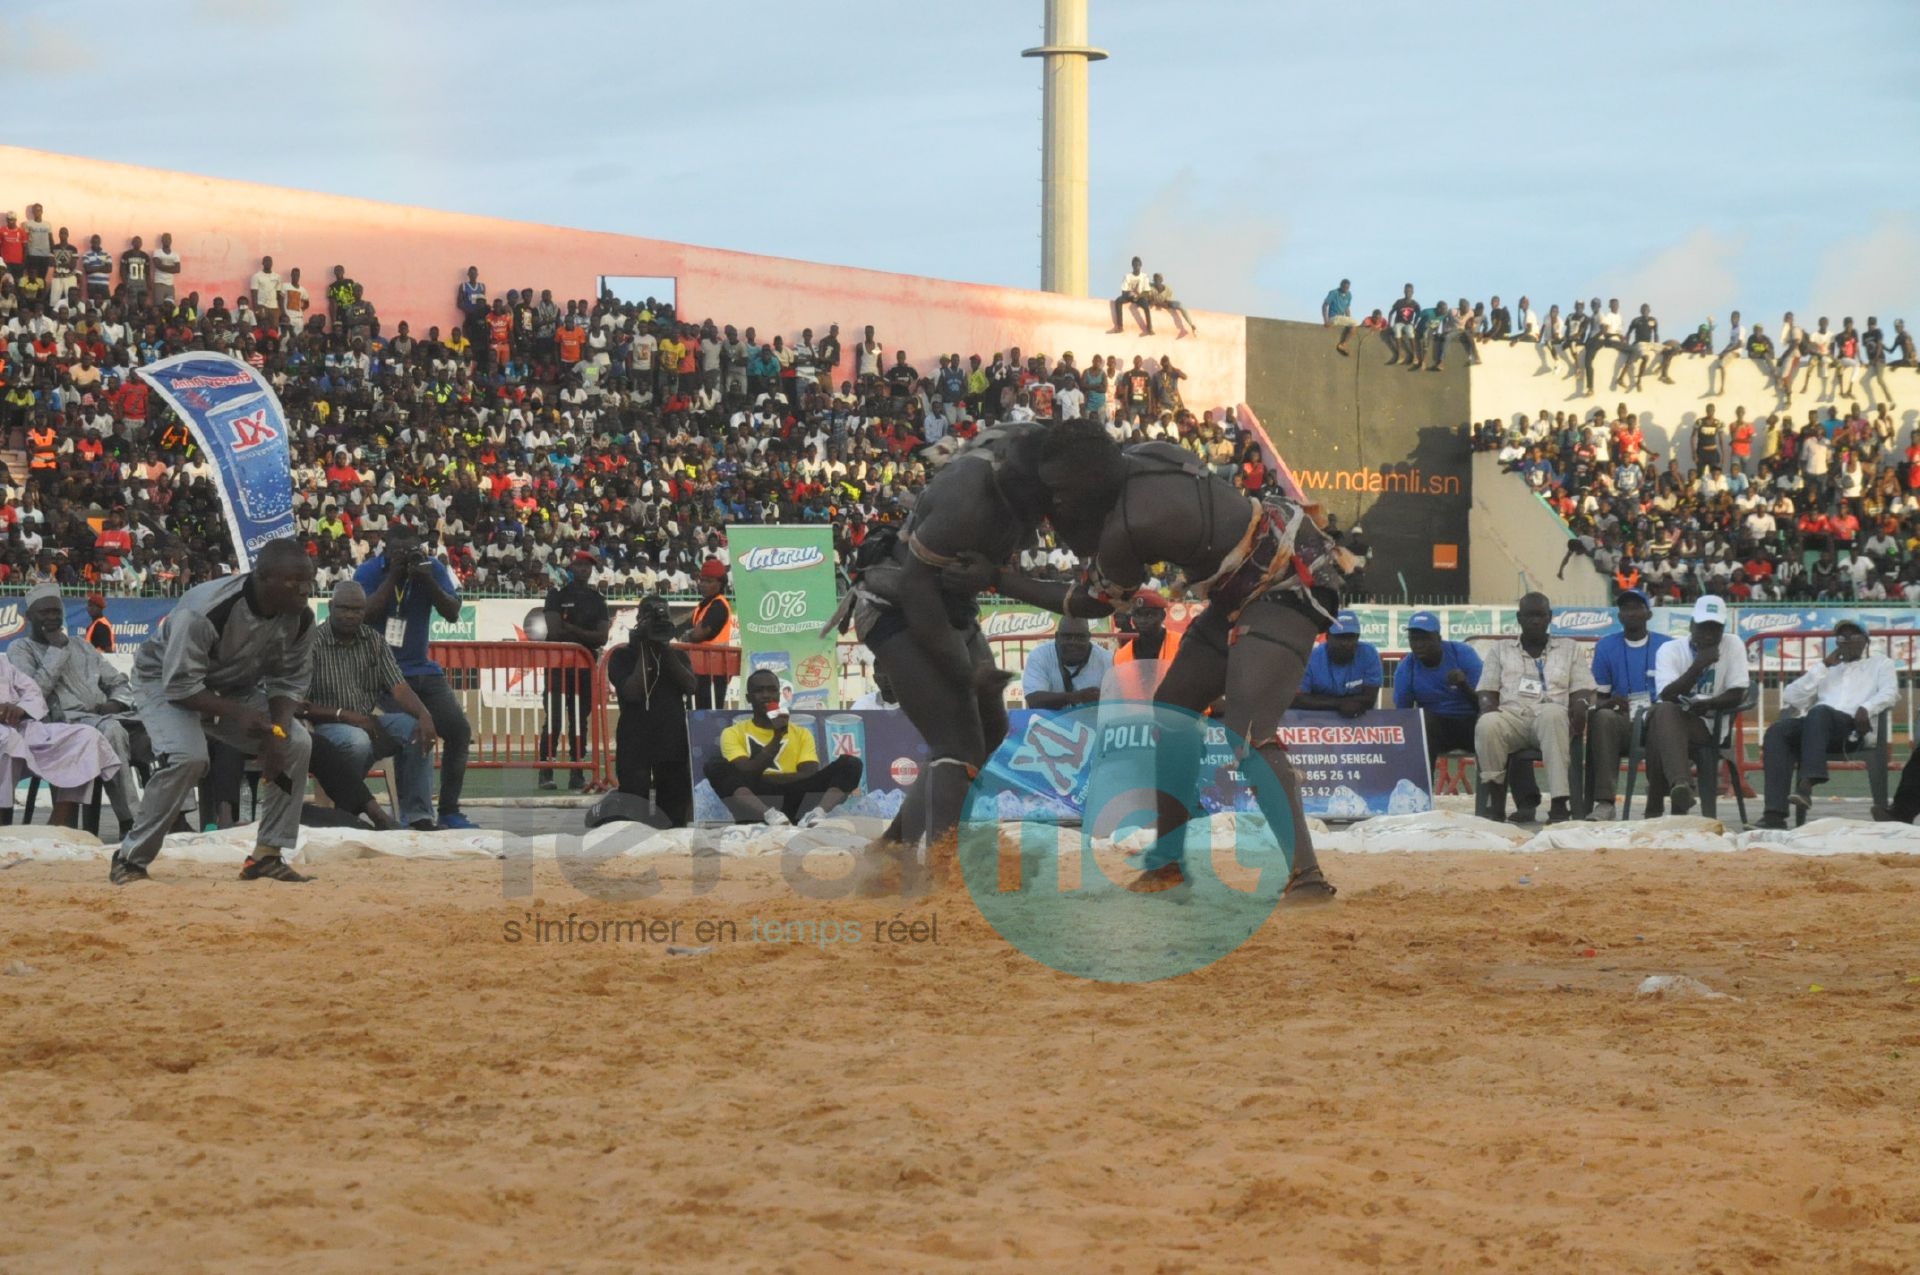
point(654, 623)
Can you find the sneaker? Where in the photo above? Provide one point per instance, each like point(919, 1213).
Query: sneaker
point(124, 873)
point(813, 818)
point(271, 868)
point(457, 821)
point(547, 784)
point(776, 818)
point(1680, 798)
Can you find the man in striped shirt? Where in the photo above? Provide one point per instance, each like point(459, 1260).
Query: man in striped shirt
point(354, 675)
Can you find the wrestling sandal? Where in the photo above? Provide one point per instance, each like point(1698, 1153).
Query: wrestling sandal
point(1310, 886)
point(273, 868)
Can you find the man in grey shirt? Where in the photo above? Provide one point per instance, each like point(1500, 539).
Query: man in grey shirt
point(80, 686)
point(231, 662)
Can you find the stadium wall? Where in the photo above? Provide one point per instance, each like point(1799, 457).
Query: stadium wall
point(1381, 447)
point(1519, 542)
point(1513, 380)
point(412, 259)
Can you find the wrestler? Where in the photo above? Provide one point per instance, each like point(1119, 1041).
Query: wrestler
point(924, 631)
point(1270, 578)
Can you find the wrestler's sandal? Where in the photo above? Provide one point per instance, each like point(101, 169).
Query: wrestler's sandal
point(271, 868)
point(1310, 886)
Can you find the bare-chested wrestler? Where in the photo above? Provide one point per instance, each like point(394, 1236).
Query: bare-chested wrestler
point(1270, 578)
point(924, 631)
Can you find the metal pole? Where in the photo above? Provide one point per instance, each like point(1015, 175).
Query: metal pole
point(1063, 160)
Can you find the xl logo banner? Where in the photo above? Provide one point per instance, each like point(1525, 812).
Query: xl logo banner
point(233, 414)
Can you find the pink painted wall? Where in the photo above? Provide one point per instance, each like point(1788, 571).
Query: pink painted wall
point(411, 260)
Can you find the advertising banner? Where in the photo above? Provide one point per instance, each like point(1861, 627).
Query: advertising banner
point(1353, 767)
point(784, 593)
point(234, 416)
point(133, 619)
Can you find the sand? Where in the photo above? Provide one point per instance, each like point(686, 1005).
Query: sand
point(1447, 1069)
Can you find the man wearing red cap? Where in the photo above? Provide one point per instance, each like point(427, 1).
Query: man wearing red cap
point(712, 627)
point(99, 631)
point(1152, 639)
point(576, 612)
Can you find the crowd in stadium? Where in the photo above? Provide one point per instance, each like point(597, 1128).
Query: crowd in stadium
point(1757, 507)
point(524, 432)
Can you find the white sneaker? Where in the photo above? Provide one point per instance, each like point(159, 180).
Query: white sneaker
point(813, 818)
point(776, 818)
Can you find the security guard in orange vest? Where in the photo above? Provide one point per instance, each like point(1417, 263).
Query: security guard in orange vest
point(42, 442)
point(99, 628)
point(713, 627)
point(1153, 640)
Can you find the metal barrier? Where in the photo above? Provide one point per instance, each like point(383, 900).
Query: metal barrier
point(1776, 659)
point(508, 689)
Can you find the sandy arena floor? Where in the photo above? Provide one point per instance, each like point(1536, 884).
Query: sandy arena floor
point(1448, 1069)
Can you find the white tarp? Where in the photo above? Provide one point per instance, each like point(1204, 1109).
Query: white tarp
point(1433, 831)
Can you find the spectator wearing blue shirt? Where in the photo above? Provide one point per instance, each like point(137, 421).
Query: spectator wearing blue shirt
point(1438, 677)
point(405, 588)
point(1337, 312)
point(1343, 674)
point(1623, 672)
point(1067, 671)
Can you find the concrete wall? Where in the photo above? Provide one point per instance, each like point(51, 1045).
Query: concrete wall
point(1513, 380)
point(411, 260)
point(1379, 446)
point(1518, 543)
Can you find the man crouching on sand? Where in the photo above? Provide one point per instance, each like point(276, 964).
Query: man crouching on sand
point(230, 662)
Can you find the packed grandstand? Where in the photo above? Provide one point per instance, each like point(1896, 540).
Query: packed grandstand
point(524, 431)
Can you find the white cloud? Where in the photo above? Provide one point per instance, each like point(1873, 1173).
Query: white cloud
point(1210, 254)
point(1875, 273)
point(1684, 283)
point(37, 46)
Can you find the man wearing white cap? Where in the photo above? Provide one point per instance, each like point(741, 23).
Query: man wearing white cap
point(1534, 693)
point(1837, 701)
point(1692, 680)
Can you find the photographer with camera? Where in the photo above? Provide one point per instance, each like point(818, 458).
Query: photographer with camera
point(651, 683)
point(406, 587)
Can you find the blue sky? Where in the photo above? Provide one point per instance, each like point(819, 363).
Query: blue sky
point(1701, 156)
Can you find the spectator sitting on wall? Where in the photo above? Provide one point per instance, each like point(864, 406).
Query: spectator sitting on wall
point(1160, 297)
point(1135, 295)
point(1336, 311)
point(1402, 337)
point(763, 757)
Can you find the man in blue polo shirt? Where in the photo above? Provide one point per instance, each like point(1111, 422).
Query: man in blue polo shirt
point(405, 588)
point(1623, 672)
point(1343, 673)
point(1438, 677)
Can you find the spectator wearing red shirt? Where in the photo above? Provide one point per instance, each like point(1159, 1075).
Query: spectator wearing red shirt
point(113, 540)
point(13, 245)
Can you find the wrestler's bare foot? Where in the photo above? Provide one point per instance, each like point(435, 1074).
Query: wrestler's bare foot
point(1310, 886)
point(1167, 879)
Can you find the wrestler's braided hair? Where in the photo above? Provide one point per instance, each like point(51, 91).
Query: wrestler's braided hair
point(1082, 443)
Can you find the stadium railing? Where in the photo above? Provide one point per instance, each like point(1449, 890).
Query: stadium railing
point(502, 686)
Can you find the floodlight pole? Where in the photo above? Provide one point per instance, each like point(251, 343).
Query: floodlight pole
point(1063, 160)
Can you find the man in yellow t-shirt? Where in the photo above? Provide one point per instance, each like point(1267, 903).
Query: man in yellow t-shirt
point(763, 757)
